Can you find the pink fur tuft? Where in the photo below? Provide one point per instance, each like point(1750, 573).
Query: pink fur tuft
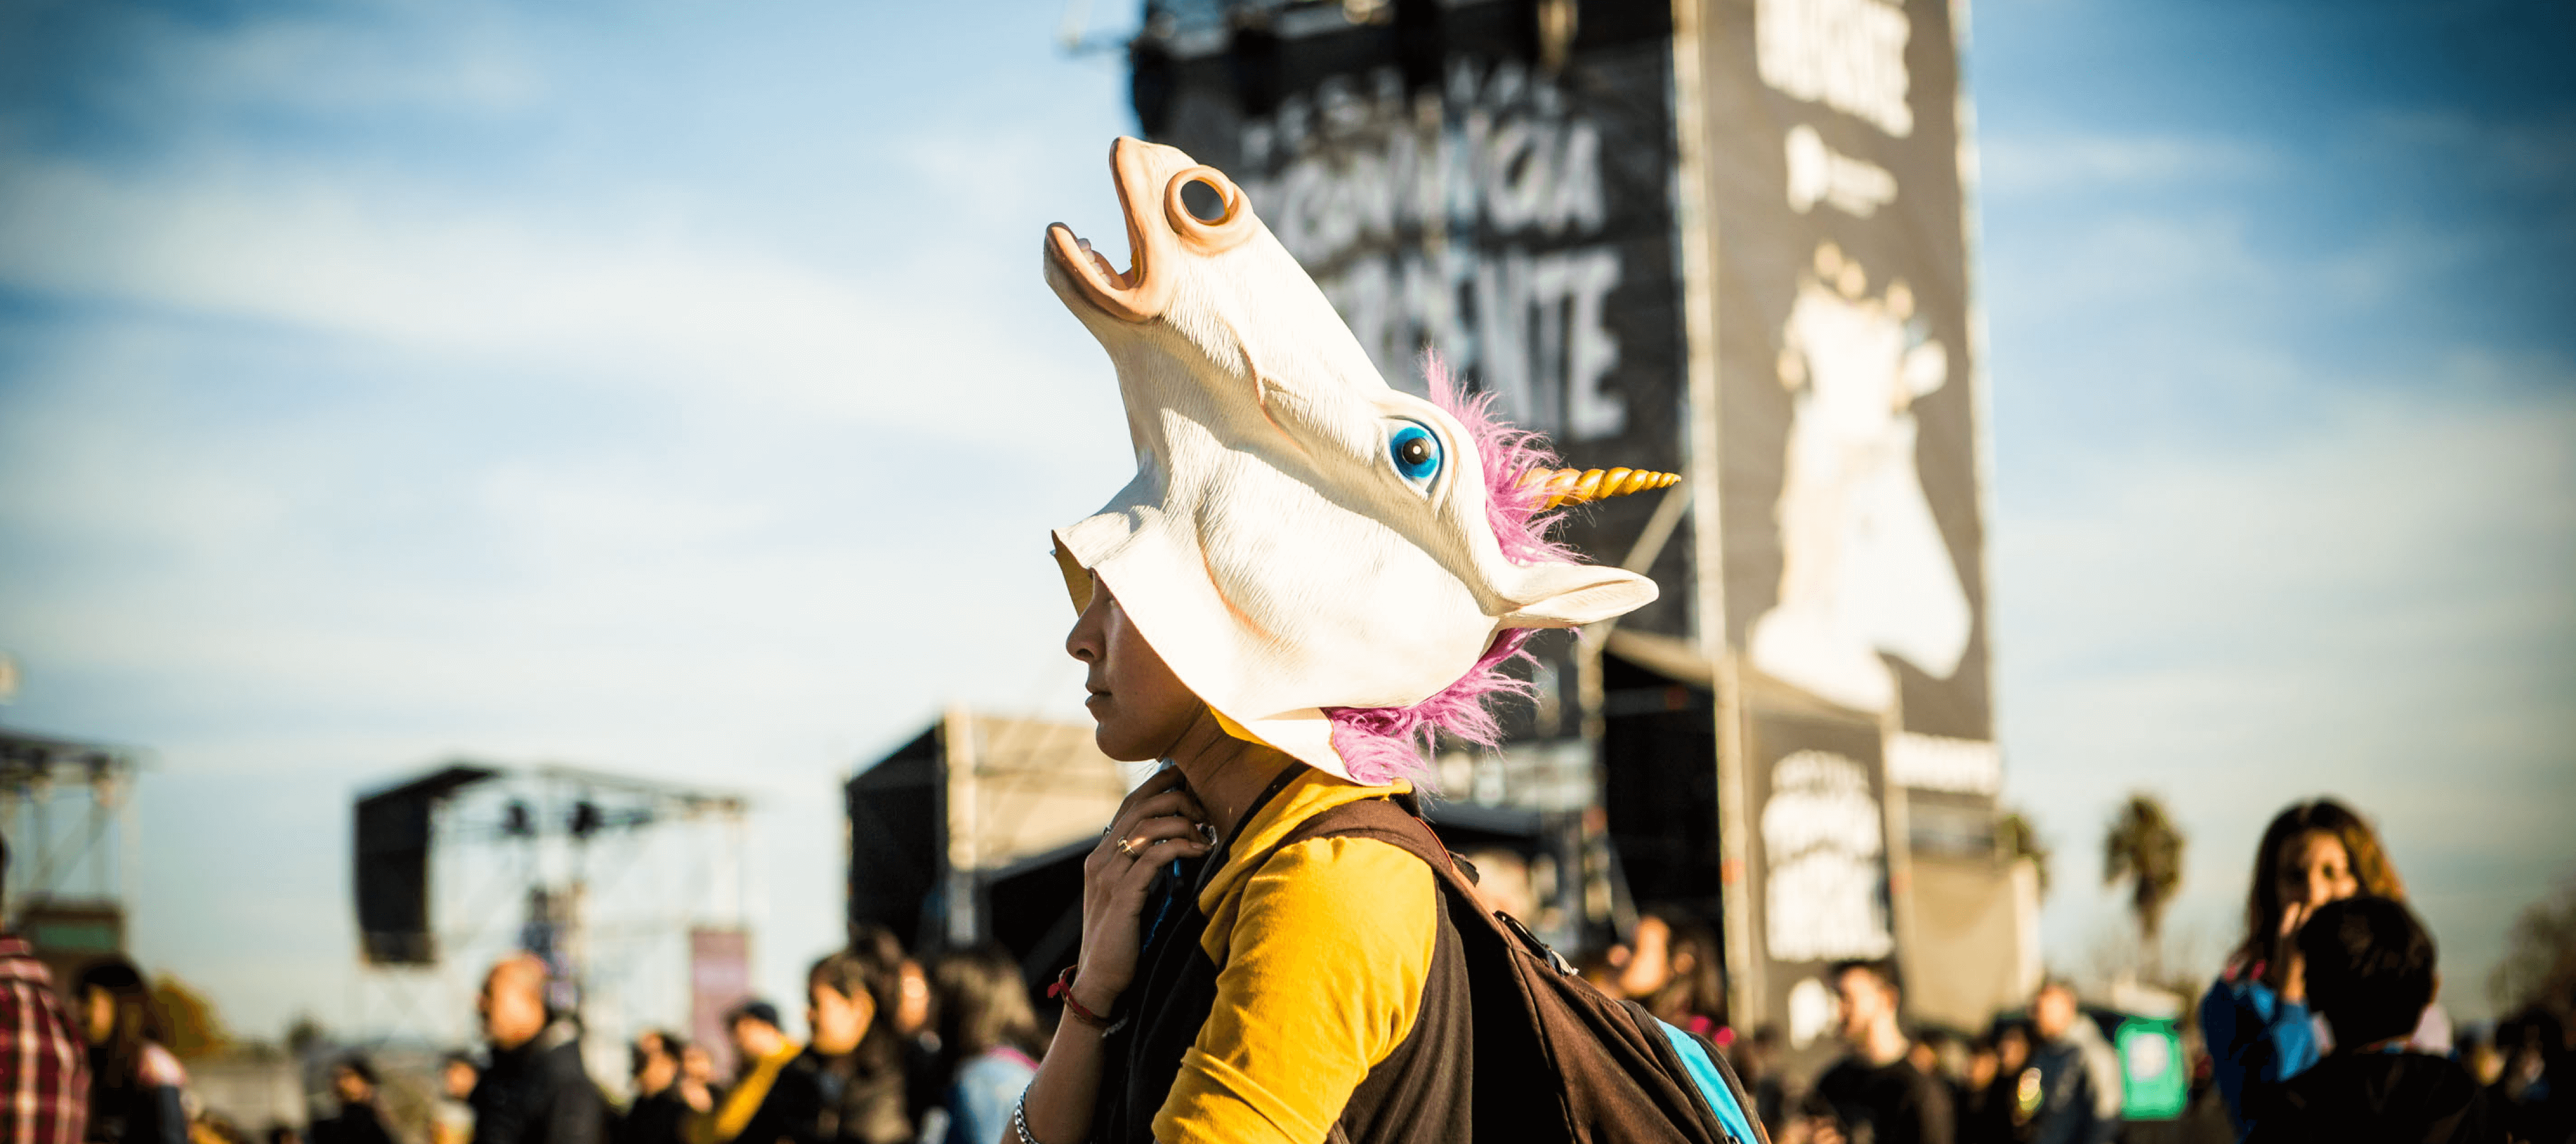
point(1382, 744)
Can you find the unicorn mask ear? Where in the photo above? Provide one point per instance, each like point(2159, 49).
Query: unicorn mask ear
point(1571, 595)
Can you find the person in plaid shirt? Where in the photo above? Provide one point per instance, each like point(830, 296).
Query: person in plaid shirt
point(44, 1068)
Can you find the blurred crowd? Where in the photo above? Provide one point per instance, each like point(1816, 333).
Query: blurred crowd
point(2323, 1025)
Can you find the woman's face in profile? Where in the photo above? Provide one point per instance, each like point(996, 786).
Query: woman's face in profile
point(1141, 707)
point(98, 1010)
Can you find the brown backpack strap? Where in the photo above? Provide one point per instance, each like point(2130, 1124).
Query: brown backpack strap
point(1382, 820)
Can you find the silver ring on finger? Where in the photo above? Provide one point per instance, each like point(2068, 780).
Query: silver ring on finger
point(1127, 846)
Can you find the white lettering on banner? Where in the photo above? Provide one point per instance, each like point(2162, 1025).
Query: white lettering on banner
point(1822, 840)
point(1382, 198)
point(1933, 762)
point(1849, 54)
point(1820, 173)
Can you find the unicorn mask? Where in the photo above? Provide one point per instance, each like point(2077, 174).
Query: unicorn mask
point(1334, 566)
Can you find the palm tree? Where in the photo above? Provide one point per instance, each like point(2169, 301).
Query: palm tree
point(2145, 847)
point(2017, 838)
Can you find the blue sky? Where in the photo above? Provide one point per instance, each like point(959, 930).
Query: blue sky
point(670, 387)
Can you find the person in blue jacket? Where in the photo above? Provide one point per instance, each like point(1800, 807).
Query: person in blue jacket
point(2255, 1017)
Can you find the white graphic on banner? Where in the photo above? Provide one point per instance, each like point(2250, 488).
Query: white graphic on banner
point(1935, 762)
point(1849, 54)
point(1822, 841)
point(1818, 173)
point(1812, 1010)
point(1381, 198)
point(1864, 568)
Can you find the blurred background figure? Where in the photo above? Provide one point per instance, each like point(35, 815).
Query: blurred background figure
point(988, 1030)
point(699, 1085)
point(360, 1119)
point(282, 1134)
point(773, 1098)
point(658, 1110)
point(137, 1090)
point(535, 1091)
point(1877, 1095)
point(42, 1055)
point(2255, 1017)
point(851, 1000)
point(1982, 1107)
point(2534, 1094)
point(1757, 1064)
point(1503, 883)
point(925, 1064)
point(1671, 964)
point(451, 1114)
point(2078, 1074)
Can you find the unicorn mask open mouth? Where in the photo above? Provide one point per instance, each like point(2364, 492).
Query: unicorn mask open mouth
point(1153, 185)
point(1299, 538)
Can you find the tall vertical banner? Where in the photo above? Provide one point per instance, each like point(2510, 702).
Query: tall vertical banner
point(1719, 237)
point(1830, 152)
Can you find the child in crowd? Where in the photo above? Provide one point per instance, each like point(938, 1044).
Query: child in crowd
point(2369, 967)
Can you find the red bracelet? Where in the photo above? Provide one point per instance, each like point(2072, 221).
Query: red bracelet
point(1062, 990)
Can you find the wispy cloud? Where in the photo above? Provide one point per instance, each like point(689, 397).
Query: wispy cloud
point(2073, 164)
point(337, 256)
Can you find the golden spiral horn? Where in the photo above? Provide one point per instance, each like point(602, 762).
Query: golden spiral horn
point(1579, 486)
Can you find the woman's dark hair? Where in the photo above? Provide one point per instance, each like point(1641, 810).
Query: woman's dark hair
point(1700, 990)
point(2370, 867)
point(637, 1056)
point(116, 1065)
point(872, 965)
point(983, 1004)
point(358, 1064)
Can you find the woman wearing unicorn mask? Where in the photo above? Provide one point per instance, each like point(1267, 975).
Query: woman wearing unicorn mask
point(1285, 980)
point(1311, 577)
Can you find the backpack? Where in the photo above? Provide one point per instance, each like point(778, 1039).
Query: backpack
point(1557, 1059)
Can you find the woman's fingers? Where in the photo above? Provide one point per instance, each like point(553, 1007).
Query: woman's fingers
point(1178, 803)
point(1175, 805)
point(1150, 858)
point(1158, 829)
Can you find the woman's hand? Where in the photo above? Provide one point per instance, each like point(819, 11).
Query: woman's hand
point(1160, 821)
point(2287, 974)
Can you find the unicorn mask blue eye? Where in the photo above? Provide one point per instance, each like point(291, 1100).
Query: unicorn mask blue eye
point(1417, 455)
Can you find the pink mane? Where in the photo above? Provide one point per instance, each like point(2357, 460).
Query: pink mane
point(1382, 744)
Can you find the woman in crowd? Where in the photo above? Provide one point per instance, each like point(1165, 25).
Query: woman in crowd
point(987, 1026)
point(451, 1117)
point(1671, 964)
point(2255, 1017)
point(136, 1087)
point(659, 1111)
point(360, 1120)
point(852, 998)
point(1311, 576)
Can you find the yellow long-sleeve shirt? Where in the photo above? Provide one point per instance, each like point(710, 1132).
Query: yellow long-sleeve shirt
point(1321, 957)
